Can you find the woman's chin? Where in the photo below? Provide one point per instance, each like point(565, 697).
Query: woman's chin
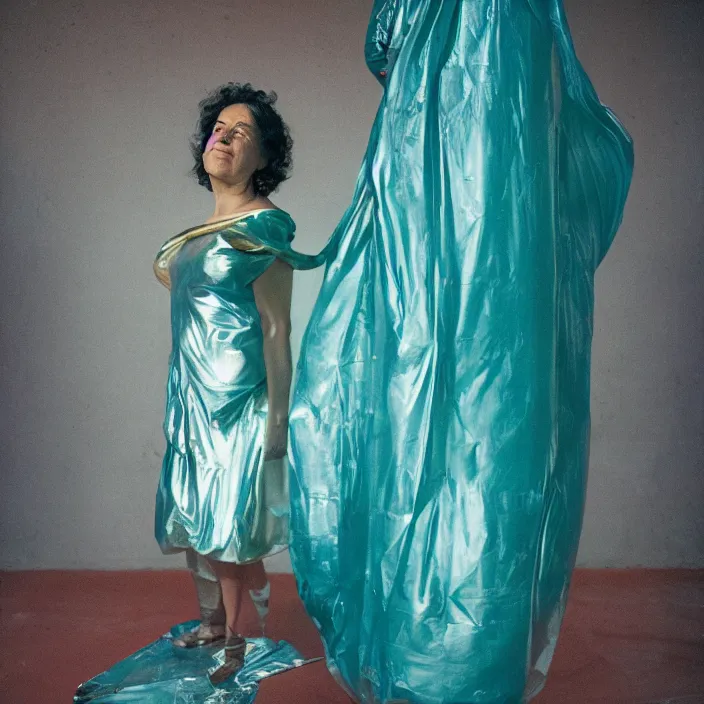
point(221, 176)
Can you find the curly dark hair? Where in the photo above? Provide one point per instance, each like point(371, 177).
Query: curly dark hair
point(275, 140)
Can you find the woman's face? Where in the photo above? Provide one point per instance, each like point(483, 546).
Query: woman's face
point(232, 154)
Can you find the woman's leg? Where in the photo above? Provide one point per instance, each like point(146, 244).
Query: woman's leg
point(256, 576)
point(212, 612)
point(232, 578)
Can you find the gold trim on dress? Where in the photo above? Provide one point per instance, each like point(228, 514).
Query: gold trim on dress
point(172, 246)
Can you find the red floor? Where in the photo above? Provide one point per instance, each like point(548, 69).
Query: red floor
point(629, 637)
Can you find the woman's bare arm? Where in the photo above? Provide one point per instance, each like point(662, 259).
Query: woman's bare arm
point(272, 294)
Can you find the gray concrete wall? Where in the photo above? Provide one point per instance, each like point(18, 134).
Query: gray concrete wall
point(97, 102)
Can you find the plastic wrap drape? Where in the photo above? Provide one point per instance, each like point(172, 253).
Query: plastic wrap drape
point(217, 495)
point(440, 425)
point(161, 673)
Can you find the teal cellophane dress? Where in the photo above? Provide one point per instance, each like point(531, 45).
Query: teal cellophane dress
point(216, 493)
point(440, 420)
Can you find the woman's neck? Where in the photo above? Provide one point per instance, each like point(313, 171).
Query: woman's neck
point(232, 199)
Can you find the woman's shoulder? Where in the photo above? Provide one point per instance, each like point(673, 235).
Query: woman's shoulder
point(266, 207)
point(272, 220)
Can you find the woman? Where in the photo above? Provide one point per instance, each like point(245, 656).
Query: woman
point(223, 492)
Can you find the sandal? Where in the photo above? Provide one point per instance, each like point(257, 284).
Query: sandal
point(203, 636)
point(235, 649)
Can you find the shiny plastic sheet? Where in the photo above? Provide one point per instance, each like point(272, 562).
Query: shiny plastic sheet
point(440, 421)
point(160, 673)
point(217, 397)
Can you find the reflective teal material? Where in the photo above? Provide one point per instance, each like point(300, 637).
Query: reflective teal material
point(440, 422)
point(216, 494)
point(160, 673)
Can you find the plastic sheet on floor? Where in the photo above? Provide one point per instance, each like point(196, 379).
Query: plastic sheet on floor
point(161, 673)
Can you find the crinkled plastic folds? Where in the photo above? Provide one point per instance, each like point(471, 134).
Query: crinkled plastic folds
point(163, 674)
point(219, 392)
point(440, 421)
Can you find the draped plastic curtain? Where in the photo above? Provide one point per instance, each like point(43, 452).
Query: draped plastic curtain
point(440, 423)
